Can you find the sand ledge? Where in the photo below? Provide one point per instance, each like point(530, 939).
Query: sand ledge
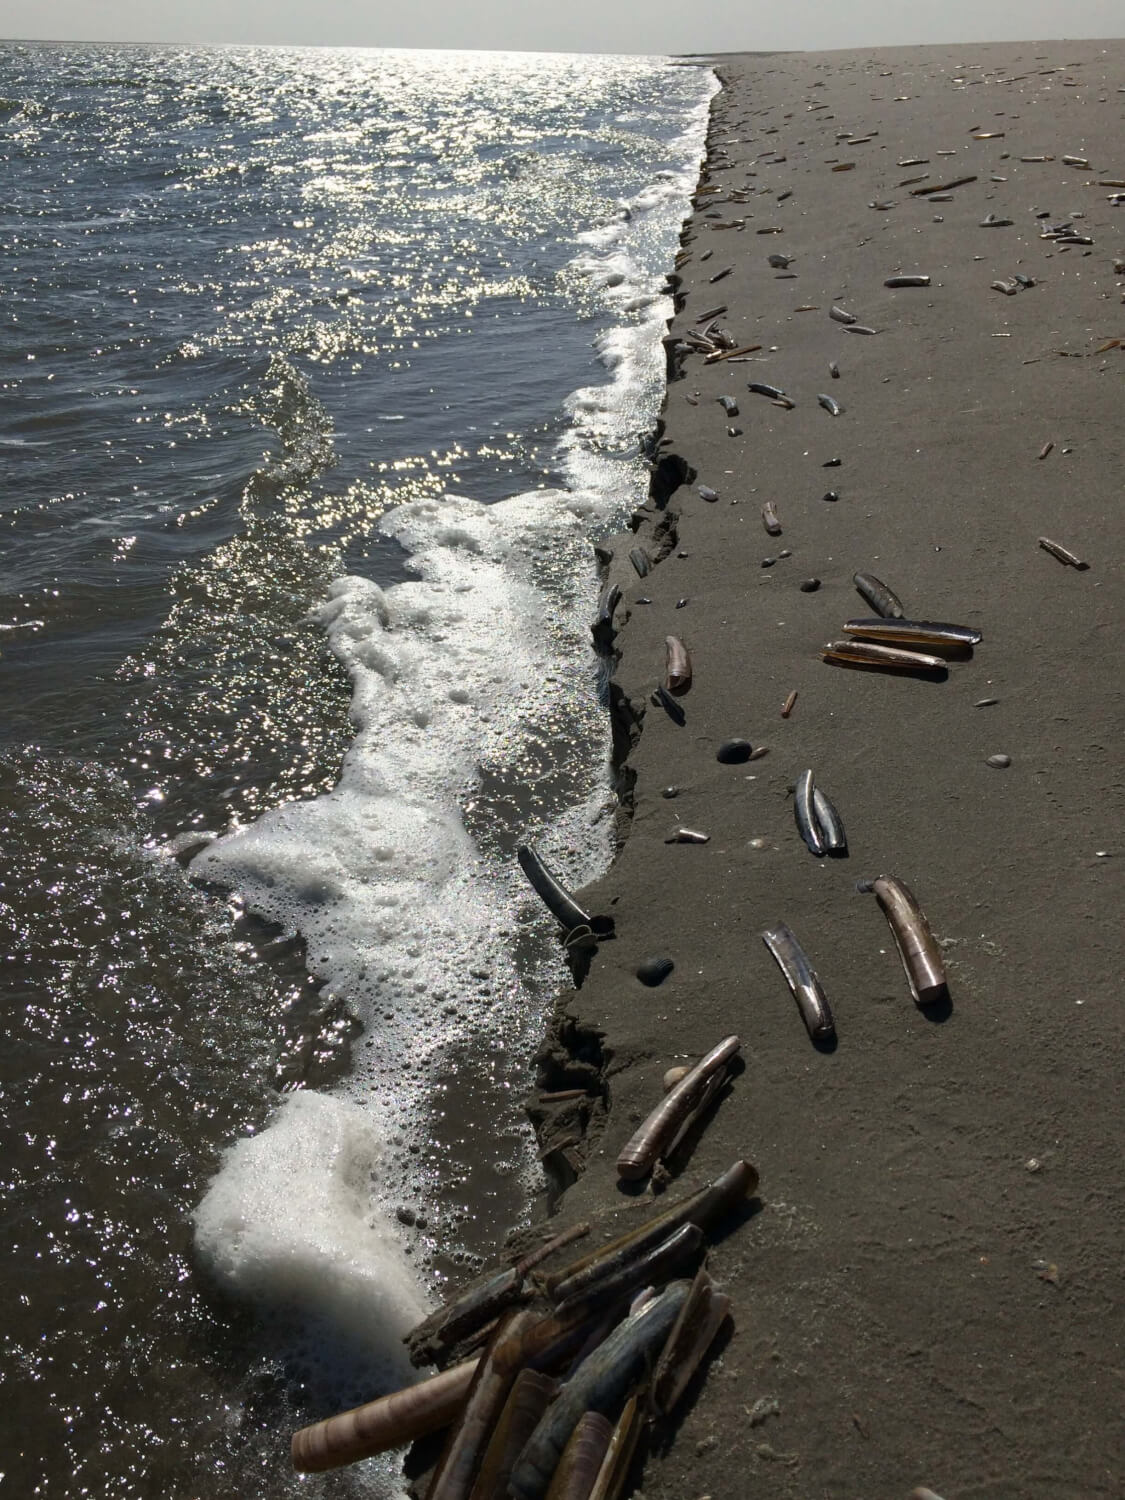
point(929, 1292)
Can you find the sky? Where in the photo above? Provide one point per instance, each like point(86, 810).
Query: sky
point(648, 26)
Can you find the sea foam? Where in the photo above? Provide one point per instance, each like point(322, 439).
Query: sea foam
point(402, 879)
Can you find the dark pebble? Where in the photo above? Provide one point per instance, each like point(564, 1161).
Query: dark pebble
point(670, 791)
point(809, 585)
point(831, 495)
point(680, 603)
point(406, 1216)
point(734, 752)
point(734, 432)
point(768, 562)
point(785, 552)
point(654, 971)
point(832, 463)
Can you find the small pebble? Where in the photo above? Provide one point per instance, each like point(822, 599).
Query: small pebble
point(768, 562)
point(654, 971)
point(809, 585)
point(832, 463)
point(671, 791)
point(785, 552)
point(405, 1215)
point(999, 761)
point(758, 751)
point(707, 493)
point(830, 495)
point(758, 843)
point(734, 752)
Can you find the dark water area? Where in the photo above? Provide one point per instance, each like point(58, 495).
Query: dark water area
point(254, 300)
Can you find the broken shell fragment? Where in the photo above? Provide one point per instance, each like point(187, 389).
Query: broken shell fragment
point(895, 281)
point(687, 836)
point(770, 519)
point(1064, 554)
point(678, 671)
point(878, 595)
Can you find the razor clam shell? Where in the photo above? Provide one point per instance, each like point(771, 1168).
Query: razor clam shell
point(528, 1399)
point(760, 388)
point(804, 812)
point(840, 315)
point(871, 654)
point(829, 823)
point(921, 957)
point(688, 836)
point(554, 895)
point(641, 561)
point(648, 1142)
point(878, 595)
point(392, 1421)
point(1064, 554)
point(674, 710)
point(701, 1207)
point(915, 632)
point(582, 1457)
point(801, 978)
point(654, 1267)
point(830, 404)
point(607, 603)
point(467, 1312)
point(678, 679)
point(495, 1375)
point(614, 1472)
point(687, 1344)
point(770, 519)
point(606, 1378)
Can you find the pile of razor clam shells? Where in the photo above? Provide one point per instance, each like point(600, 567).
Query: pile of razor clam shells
point(549, 1381)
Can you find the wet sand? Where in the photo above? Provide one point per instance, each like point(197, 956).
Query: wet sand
point(931, 1290)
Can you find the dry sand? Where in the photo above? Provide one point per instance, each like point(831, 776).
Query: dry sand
point(932, 1288)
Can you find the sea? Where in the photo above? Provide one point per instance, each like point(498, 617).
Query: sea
point(322, 375)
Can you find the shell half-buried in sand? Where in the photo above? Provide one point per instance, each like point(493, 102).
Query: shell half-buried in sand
point(678, 678)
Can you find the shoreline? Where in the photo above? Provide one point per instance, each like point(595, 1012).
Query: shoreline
point(927, 1289)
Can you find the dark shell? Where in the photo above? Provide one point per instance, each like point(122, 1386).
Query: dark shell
point(654, 971)
point(809, 585)
point(734, 752)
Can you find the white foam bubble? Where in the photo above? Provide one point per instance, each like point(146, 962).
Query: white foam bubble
point(476, 668)
point(290, 1224)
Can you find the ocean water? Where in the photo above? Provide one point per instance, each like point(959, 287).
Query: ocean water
point(321, 372)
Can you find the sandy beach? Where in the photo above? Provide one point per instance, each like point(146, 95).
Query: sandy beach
point(930, 1291)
